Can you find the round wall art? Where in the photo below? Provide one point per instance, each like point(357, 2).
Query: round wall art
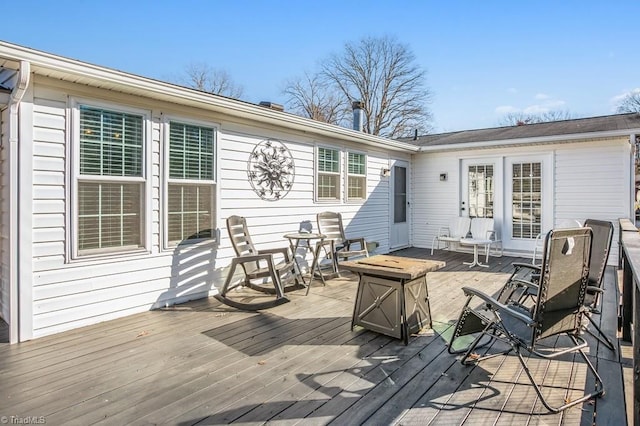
point(271, 170)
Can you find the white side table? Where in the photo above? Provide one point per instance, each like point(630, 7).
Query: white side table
point(475, 242)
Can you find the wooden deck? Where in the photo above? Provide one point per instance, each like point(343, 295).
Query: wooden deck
point(298, 363)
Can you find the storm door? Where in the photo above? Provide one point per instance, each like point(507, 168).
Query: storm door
point(400, 211)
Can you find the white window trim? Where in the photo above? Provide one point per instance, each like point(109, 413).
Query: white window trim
point(74, 168)
point(347, 174)
point(164, 173)
point(341, 179)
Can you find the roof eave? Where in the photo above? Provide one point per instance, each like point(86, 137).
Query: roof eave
point(530, 141)
point(94, 75)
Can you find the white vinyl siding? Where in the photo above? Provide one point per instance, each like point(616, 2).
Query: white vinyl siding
point(110, 184)
point(589, 181)
point(191, 183)
point(328, 174)
point(356, 176)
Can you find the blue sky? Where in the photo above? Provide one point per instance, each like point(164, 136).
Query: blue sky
point(483, 58)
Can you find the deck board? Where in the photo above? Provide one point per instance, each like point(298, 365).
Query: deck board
point(298, 363)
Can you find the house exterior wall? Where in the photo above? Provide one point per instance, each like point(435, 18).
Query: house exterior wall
point(69, 293)
point(590, 179)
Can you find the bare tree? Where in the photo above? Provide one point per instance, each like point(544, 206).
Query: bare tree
point(521, 118)
point(378, 72)
point(310, 97)
point(383, 75)
point(630, 103)
point(204, 77)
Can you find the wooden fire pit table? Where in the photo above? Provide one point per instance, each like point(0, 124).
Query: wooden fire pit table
point(392, 296)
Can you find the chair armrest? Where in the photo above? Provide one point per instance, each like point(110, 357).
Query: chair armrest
point(281, 250)
point(524, 283)
point(444, 231)
point(493, 303)
point(253, 258)
point(594, 289)
point(347, 243)
point(534, 268)
point(526, 265)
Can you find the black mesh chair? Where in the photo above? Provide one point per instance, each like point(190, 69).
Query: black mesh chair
point(558, 310)
point(523, 284)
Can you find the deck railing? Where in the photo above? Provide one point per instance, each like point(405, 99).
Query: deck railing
point(629, 263)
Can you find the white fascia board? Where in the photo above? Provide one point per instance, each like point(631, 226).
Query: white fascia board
point(96, 75)
point(529, 141)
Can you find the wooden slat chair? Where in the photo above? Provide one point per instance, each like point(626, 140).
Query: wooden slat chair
point(330, 224)
point(457, 228)
point(262, 271)
point(559, 309)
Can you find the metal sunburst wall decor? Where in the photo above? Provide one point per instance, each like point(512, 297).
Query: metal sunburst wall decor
point(271, 170)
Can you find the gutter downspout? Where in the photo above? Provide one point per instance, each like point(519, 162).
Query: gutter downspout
point(19, 90)
point(632, 166)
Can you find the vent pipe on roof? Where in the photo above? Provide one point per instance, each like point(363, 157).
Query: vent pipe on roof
point(358, 115)
point(272, 105)
point(415, 135)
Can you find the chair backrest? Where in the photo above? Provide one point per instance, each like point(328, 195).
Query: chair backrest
point(459, 227)
point(239, 236)
point(600, 248)
point(563, 282)
point(481, 227)
point(330, 224)
point(568, 223)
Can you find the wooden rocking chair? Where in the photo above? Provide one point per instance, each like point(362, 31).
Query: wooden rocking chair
point(261, 271)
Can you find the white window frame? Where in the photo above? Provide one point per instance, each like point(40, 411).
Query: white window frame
point(215, 201)
point(348, 175)
point(76, 178)
point(317, 174)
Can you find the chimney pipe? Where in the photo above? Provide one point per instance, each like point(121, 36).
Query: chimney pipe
point(272, 105)
point(358, 115)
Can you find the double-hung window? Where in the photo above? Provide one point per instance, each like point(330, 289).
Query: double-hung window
point(191, 182)
point(110, 181)
point(356, 176)
point(328, 174)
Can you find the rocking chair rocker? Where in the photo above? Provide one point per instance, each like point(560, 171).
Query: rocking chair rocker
point(261, 271)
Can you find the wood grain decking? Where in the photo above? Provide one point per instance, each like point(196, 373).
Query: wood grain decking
point(298, 363)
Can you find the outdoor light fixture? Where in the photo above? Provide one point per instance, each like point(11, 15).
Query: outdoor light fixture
point(385, 172)
point(443, 177)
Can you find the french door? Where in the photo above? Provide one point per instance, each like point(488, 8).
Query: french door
point(515, 191)
point(529, 190)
